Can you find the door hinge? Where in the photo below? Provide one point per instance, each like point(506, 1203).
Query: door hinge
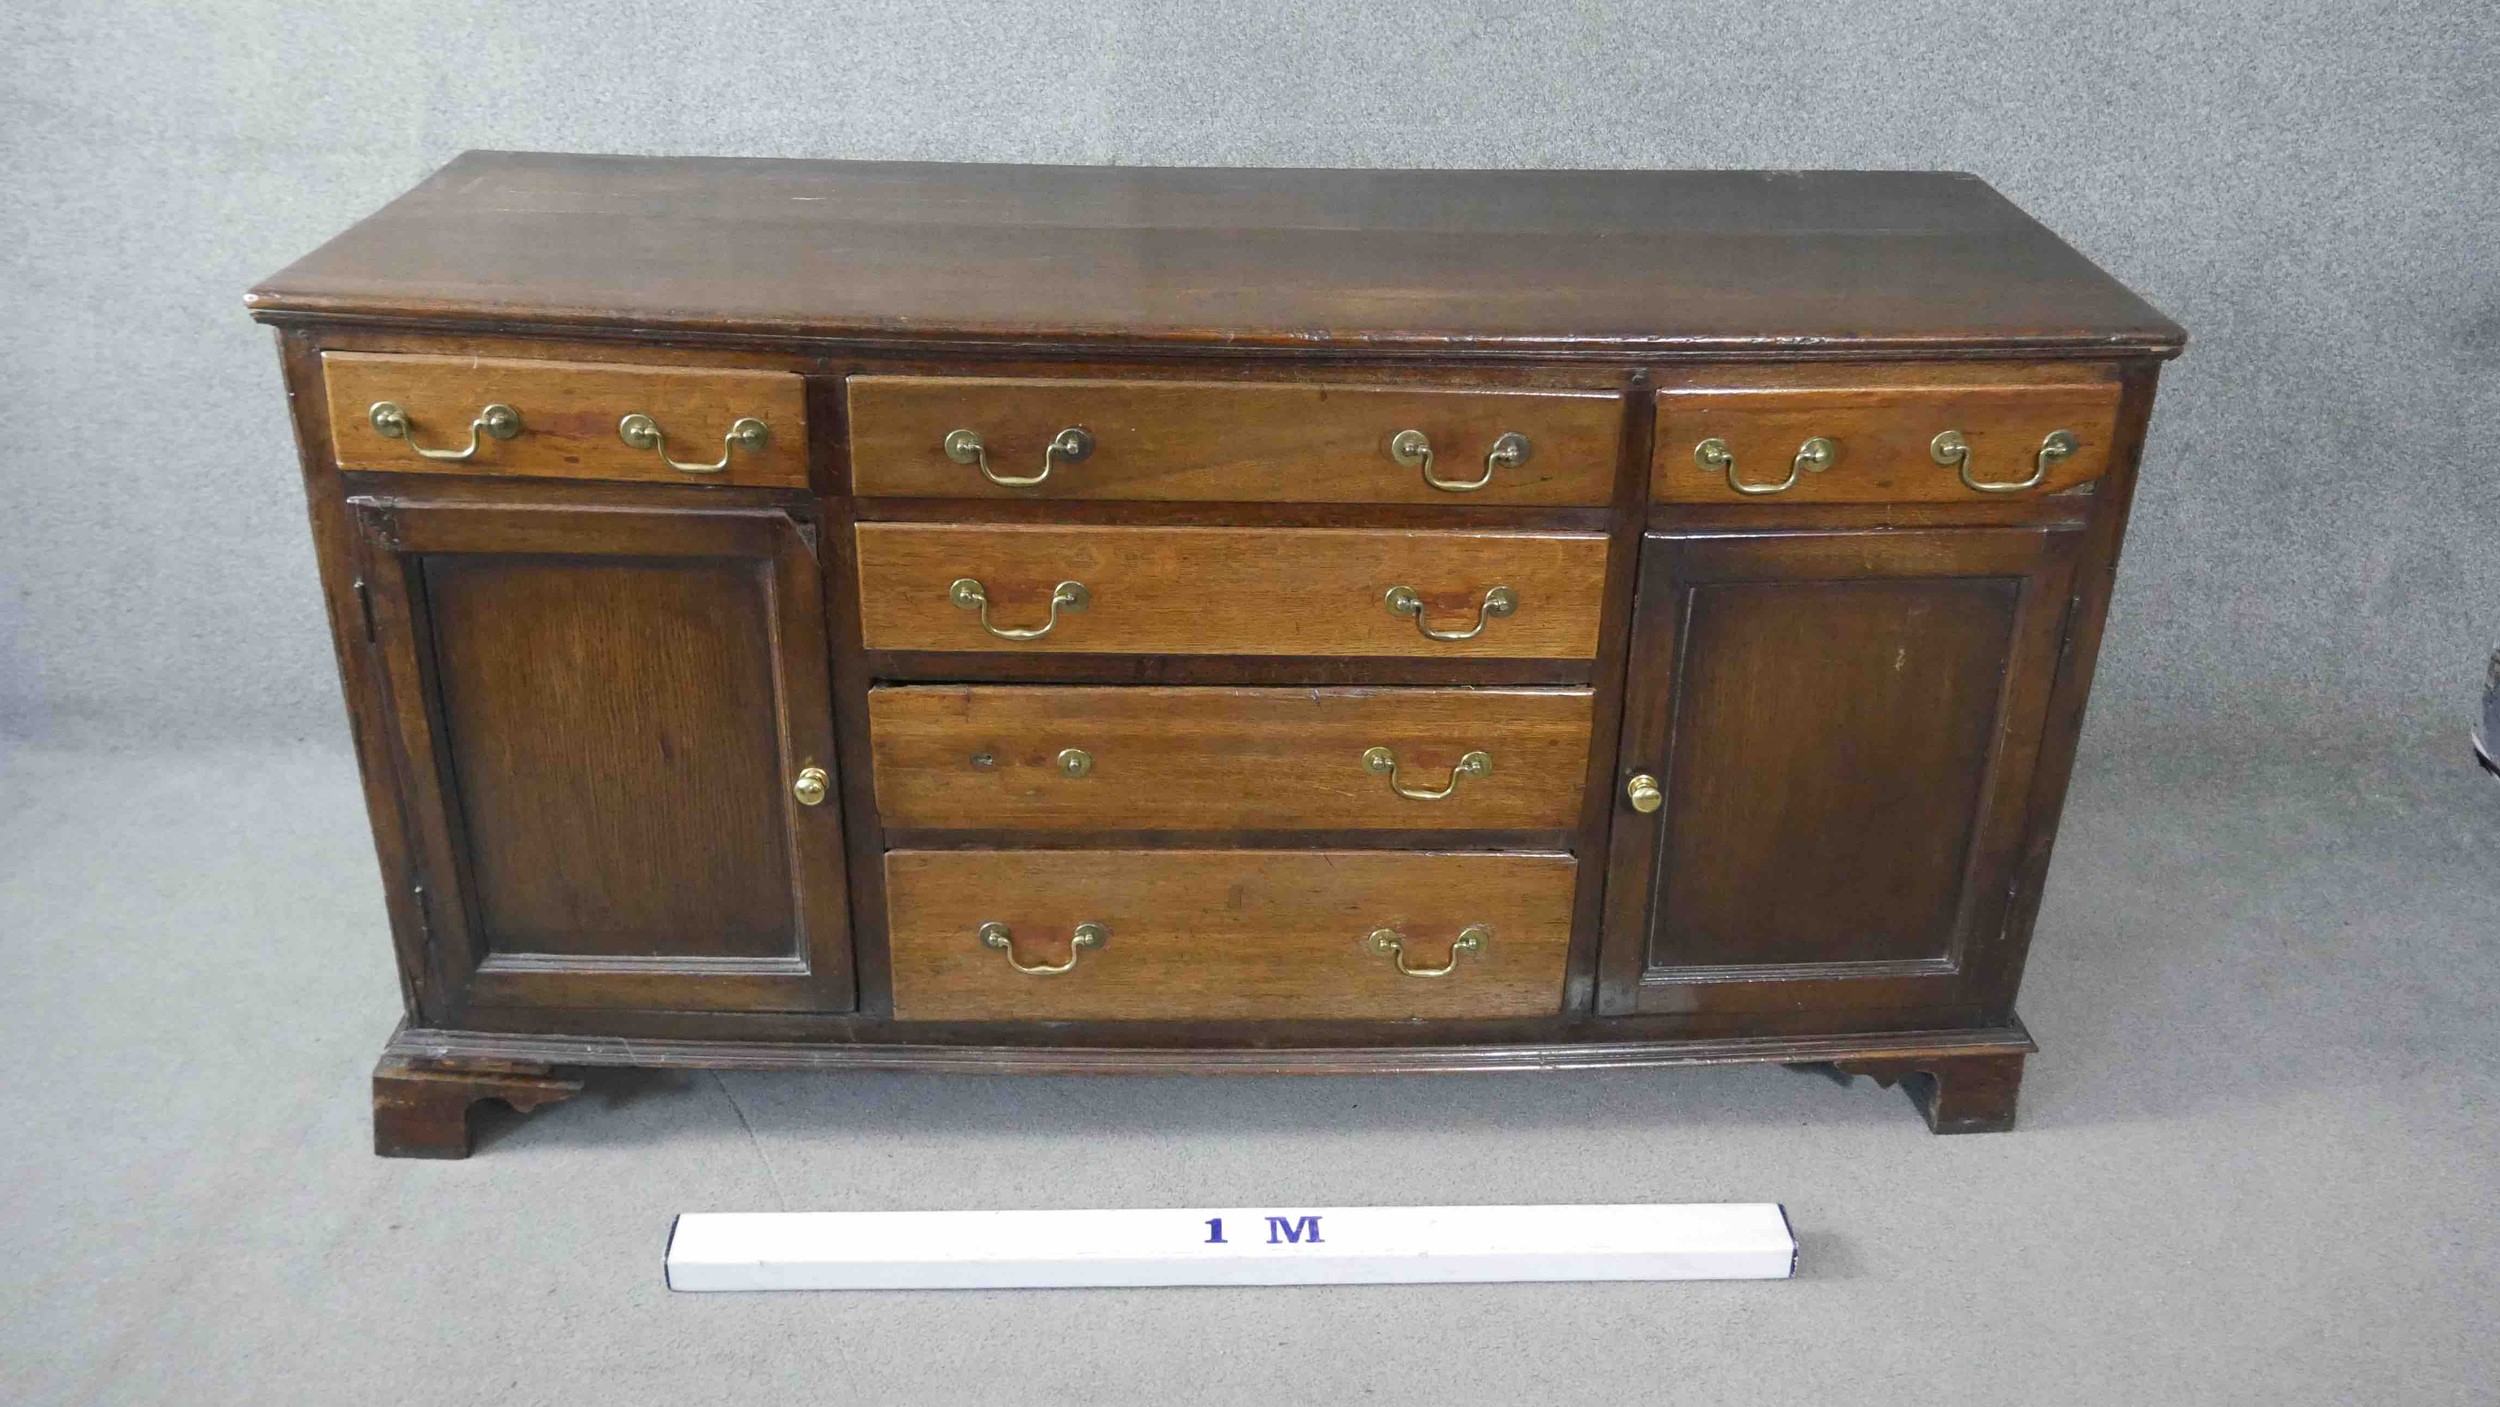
point(364, 607)
point(429, 967)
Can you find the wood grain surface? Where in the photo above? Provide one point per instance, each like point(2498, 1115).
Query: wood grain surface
point(1229, 441)
point(1862, 695)
point(569, 413)
point(1880, 422)
point(1214, 933)
point(599, 713)
point(1231, 591)
point(1224, 759)
point(1845, 726)
point(1233, 261)
point(608, 724)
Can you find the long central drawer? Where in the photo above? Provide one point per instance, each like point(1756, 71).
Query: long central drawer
point(1015, 756)
point(995, 437)
point(1231, 591)
point(1225, 934)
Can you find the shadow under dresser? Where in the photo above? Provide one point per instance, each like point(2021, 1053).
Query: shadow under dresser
point(813, 615)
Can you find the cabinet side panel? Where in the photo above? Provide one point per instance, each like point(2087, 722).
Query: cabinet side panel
point(343, 586)
point(2000, 970)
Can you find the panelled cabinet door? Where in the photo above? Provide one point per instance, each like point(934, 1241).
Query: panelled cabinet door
point(1842, 729)
point(616, 731)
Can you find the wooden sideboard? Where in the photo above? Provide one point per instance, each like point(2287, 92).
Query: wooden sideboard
point(814, 615)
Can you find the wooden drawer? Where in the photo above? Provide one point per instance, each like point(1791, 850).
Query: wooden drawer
point(1230, 591)
point(995, 757)
point(1229, 441)
point(1207, 934)
point(567, 419)
point(1878, 430)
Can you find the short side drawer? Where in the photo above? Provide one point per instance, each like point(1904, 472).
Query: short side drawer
point(1922, 434)
point(566, 420)
point(994, 437)
point(1217, 934)
point(1015, 756)
point(1231, 591)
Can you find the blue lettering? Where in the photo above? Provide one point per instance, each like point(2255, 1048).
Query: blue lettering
point(1281, 1230)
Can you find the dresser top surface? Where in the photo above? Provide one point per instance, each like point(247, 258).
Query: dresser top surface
point(1486, 262)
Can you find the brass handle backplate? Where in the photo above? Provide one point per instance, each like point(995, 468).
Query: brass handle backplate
point(1814, 456)
point(1642, 791)
point(1067, 447)
point(1088, 935)
point(1952, 450)
point(1069, 596)
point(495, 422)
point(1407, 601)
point(1413, 448)
point(810, 786)
point(1391, 944)
point(1384, 761)
point(747, 433)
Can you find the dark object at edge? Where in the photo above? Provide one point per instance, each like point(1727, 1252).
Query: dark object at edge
point(2487, 737)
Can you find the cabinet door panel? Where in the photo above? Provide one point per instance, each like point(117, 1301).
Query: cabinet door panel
point(1845, 727)
point(601, 716)
point(614, 796)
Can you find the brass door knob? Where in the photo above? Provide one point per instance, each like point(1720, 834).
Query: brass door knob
point(810, 787)
point(1642, 791)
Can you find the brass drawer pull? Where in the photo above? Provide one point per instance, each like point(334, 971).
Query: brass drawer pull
point(498, 422)
point(1383, 760)
point(1814, 456)
point(747, 433)
point(1413, 449)
point(1952, 451)
point(1068, 596)
point(1088, 935)
point(1069, 446)
point(1391, 944)
point(1644, 794)
point(1407, 601)
point(809, 788)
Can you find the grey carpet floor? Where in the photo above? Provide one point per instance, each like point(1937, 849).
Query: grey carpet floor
point(2256, 1161)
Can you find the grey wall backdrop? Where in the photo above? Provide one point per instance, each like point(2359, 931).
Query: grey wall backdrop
point(2309, 187)
point(2255, 1157)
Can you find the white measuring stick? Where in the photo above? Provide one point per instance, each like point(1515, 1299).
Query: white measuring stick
point(1227, 1246)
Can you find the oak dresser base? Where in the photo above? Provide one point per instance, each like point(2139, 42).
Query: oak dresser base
point(1961, 1081)
point(1332, 623)
point(421, 1105)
